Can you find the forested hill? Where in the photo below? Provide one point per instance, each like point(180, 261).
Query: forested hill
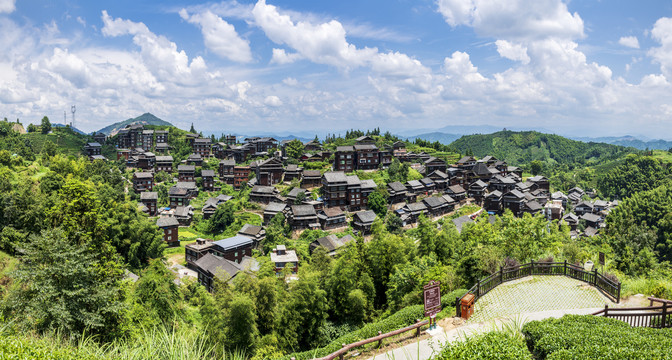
point(146, 119)
point(522, 147)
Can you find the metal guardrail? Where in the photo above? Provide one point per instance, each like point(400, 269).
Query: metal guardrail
point(347, 347)
point(594, 278)
point(658, 317)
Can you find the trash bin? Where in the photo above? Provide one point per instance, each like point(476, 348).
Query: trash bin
point(467, 306)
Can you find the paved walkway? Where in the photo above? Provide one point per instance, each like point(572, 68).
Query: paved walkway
point(523, 300)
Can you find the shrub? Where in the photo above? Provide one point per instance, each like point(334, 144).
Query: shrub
point(510, 262)
point(398, 320)
point(594, 337)
point(493, 345)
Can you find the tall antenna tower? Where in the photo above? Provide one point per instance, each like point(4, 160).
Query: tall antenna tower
point(73, 109)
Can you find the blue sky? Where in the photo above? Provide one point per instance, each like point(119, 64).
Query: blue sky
point(583, 68)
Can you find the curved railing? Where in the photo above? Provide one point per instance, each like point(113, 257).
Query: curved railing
point(594, 278)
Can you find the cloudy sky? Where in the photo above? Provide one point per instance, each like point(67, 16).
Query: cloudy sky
point(585, 68)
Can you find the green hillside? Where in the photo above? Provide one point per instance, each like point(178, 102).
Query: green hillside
point(146, 119)
point(523, 147)
point(67, 141)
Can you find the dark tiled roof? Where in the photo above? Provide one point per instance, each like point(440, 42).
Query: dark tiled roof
point(228, 162)
point(434, 202)
point(295, 192)
point(456, 189)
point(515, 193)
point(591, 217)
point(460, 221)
point(167, 158)
point(366, 217)
point(311, 173)
point(208, 173)
point(417, 206)
point(149, 195)
point(217, 266)
point(176, 191)
point(143, 175)
point(167, 221)
point(270, 190)
point(275, 207)
point(333, 211)
point(345, 149)
point(303, 210)
point(335, 176)
point(186, 168)
point(250, 230)
point(397, 186)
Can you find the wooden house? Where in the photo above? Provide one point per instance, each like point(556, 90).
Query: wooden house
point(202, 146)
point(269, 172)
point(311, 178)
point(363, 220)
point(149, 199)
point(164, 163)
point(263, 194)
point(186, 173)
point(331, 218)
point(281, 258)
point(170, 226)
point(303, 217)
point(273, 209)
point(208, 177)
point(143, 181)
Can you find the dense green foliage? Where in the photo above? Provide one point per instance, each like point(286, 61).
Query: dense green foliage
point(396, 321)
point(637, 173)
point(489, 346)
point(641, 225)
point(519, 148)
point(593, 337)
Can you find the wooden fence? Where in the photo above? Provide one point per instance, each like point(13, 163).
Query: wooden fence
point(347, 347)
point(594, 278)
point(658, 317)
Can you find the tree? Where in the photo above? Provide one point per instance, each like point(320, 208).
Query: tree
point(241, 326)
point(65, 287)
point(377, 203)
point(31, 128)
point(46, 125)
point(300, 197)
point(221, 219)
point(294, 149)
point(49, 148)
point(157, 293)
point(304, 313)
point(535, 167)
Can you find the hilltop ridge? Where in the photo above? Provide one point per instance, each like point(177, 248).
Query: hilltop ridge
point(145, 119)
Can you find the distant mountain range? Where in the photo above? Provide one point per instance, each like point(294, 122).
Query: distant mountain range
point(441, 137)
point(145, 119)
point(630, 141)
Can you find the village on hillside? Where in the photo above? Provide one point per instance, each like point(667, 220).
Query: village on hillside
point(329, 196)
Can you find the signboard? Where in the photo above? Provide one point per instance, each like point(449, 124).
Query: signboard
point(432, 296)
point(601, 258)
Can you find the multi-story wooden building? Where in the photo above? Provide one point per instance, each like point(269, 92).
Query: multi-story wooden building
point(164, 163)
point(143, 181)
point(208, 177)
point(186, 173)
point(170, 227)
point(201, 146)
point(269, 172)
point(241, 174)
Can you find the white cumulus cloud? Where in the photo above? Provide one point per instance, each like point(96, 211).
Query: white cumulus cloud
point(629, 41)
point(7, 6)
point(280, 56)
point(511, 51)
point(220, 36)
point(662, 32)
point(273, 101)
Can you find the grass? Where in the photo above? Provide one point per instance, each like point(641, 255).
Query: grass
point(160, 343)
